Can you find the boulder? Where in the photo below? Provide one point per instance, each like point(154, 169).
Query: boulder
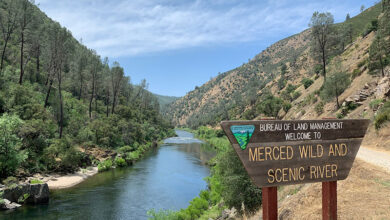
point(382, 91)
point(37, 193)
point(8, 205)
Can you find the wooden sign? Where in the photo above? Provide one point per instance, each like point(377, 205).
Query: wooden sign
point(276, 152)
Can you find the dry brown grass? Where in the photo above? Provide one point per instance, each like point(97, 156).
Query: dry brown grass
point(365, 194)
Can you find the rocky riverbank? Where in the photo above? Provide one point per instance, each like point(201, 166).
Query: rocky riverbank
point(15, 195)
point(38, 193)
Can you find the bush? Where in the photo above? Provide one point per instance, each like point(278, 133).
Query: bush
point(105, 165)
point(270, 106)
point(382, 116)
point(120, 162)
point(307, 82)
point(319, 108)
point(125, 149)
point(10, 181)
point(356, 73)
point(62, 156)
point(374, 104)
point(295, 95)
point(133, 156)
point(10, 154)
point(286, 106)
point(36, 181)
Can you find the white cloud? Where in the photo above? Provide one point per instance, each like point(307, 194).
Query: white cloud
point(125, 28)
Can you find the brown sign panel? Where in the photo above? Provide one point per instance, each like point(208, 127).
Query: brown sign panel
point(276, 152)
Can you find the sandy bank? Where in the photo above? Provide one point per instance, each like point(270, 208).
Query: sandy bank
point(57, 181)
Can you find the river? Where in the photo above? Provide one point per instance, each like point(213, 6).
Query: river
point(166, 178)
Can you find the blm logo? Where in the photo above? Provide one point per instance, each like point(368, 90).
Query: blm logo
point(243, 134)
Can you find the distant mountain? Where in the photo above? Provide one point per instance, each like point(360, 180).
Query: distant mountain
point(271, 82)
point(165, 100)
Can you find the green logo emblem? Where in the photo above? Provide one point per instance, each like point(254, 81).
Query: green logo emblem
point(243, 134)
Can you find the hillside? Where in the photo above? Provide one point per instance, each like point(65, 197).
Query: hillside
point(274, 76)
point(165, 100)
point(62, 106)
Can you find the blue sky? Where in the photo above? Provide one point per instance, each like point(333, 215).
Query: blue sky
point(179, 44)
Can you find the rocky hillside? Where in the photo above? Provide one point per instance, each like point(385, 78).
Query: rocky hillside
point(285, 77)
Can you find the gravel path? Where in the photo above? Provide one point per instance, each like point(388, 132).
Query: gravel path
point(374, 157)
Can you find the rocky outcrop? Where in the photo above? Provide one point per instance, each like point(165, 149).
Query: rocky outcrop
point(228, 214)
point(382, 91)
point(28, 193)
point(360, 96)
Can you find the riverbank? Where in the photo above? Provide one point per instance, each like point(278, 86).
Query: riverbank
point(178, 165)
point(70, 180)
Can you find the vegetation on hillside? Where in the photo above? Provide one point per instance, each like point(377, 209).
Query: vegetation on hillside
point(57, 96)
point(269, 84)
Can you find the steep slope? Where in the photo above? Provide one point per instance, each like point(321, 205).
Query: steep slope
point(239, 93)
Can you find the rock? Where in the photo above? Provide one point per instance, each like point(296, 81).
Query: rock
point(228, 214)
point(382, 91)
point(37, 193)
point(8, 205)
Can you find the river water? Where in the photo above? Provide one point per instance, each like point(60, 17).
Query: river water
point(166, 178)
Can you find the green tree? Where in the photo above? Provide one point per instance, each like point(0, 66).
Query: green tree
point(10, 143)
point(378, 53)
point(8, 20)
point(26, 23)
point(322, 30)
point(347, 17)
point(335, 85)
point(237, 186)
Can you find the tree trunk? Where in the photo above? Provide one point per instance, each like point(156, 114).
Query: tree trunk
point(21, 60)
point(92, 95)
point(107, 102)
point(3, 54)
point(61, 104)
point(81, 87)
point(48, 93)
point(38, 53)
point(324, 64)
point(382, 69)
point(113, 104)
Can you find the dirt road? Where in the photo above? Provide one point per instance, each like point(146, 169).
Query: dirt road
point(377, 158)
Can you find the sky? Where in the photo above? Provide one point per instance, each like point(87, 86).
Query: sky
point(179, 44)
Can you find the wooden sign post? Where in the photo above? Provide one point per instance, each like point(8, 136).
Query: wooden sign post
point(276, 152)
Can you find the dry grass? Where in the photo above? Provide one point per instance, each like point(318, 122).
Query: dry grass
point(365, 194)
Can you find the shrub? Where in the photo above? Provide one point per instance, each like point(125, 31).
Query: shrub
point(120, 162)
point(125, 149)
point(356, 73)
point(10, 181)
point(36, 181)
point(10, 154)
point(382, 116)
point(362, 63)
point(286, 106)
point(133, 156)
point(374, 104)
point(62, 156)
point(319, 108)
point(105, 165)
point(307, 82)
point(295, 95)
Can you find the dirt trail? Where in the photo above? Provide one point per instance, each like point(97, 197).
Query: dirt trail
point(377, 158)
